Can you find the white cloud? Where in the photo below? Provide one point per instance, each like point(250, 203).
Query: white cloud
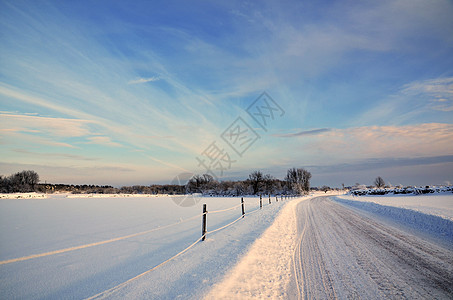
point(55, 155)
point(339, 146)
point(144, 80)
point(437, 92)
point(56, 127)
point(19, 139)
point(411, 101)
point(421, 140)
point(103, 140)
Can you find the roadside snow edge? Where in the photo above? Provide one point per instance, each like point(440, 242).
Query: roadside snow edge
point(266, 269)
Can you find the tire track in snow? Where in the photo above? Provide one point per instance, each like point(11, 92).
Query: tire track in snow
point(309, 270)
point(342, 254)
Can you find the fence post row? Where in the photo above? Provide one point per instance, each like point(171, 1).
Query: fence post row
point(243, 210)
point(205, 213)
point(203, 223)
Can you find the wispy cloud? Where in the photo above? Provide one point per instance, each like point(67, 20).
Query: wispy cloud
point(383, 162)
point(421, 140)
point(103, 140)
point(163, 91)
point(414, 100)
point(55, 127)
point(92, 174)
point(438, 93)
point(303, 133)
point(55, 155)
point(357, 144)
point(144, 80)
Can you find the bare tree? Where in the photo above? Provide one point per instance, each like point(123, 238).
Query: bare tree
point(201, 183)
point(379, 182)
point(325, 188)
point(269, 184)
point(25, 181)
point(298, 180)
point(256, 180)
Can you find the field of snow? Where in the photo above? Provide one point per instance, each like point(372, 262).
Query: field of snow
point(60, 247)
point(90, 247)
point(433, 204)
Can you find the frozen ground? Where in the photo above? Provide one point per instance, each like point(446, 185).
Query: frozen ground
point(63, 247)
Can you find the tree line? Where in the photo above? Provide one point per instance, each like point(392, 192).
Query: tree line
point(296, 181)
point(20, 182)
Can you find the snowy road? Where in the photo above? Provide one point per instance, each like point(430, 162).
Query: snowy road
point(343, 254)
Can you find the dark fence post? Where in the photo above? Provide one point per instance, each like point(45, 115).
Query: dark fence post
point(261, 202)
point(243, 210)
point(203, 224)
point(269, 198)
point(276, 198)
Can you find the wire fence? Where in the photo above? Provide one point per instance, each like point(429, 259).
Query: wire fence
point(28, 257)
point(110, 291)
point(203, 236)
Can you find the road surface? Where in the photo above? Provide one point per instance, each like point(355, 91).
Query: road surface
point(342, 254)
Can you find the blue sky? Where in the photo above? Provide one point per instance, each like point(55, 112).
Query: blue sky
point(120, 93)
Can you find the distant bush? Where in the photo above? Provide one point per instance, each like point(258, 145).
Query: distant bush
point(406, 190)
point(21, 182)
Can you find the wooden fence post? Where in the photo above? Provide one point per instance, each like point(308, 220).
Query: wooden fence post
point(203, 223)
point(276, 198)
point(261, 202)
point(243, 210)
point(269, 198)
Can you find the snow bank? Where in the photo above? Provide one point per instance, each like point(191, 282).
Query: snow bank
point(405, 190)
point(115, 195)
point(23, 196)
point(437, 226)
point(440, 205)
point(266, 269)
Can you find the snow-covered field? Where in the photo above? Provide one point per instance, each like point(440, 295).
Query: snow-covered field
point(78, 247)
point(433, 204)
point(60, 247)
